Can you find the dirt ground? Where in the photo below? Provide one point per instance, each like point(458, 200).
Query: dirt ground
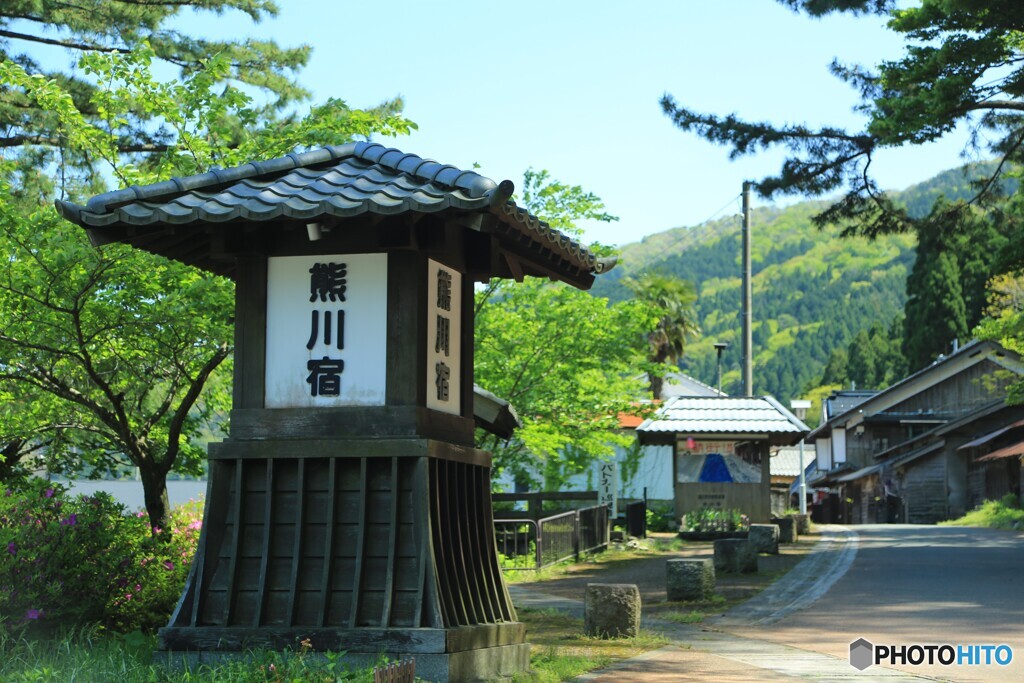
point(646, 569)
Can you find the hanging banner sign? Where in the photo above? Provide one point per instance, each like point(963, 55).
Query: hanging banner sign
point(326, 331)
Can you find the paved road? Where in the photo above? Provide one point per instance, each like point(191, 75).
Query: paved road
point(918, 584)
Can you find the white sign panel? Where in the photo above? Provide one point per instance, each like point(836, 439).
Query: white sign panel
point(326, 331)
point(607, 486)
point(444, 338)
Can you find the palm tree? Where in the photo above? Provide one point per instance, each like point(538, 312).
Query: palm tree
point(678, 324)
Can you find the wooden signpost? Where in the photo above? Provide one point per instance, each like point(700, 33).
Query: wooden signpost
point(348, 509)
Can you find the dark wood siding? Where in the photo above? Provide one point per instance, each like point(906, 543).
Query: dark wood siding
point(924, 490)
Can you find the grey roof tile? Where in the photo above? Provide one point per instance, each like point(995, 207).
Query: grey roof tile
point(341, 181)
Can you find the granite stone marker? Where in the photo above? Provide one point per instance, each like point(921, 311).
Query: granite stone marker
point(765, 538)
point(735, 555)
point(612, 610)
point(689, 579)
point(787, 529)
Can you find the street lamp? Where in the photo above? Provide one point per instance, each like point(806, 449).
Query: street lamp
point(800, 407)
point(719, 347)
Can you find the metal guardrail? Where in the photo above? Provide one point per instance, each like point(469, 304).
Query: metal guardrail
point(528, 544)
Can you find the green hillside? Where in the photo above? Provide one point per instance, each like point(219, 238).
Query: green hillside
point(813, 291)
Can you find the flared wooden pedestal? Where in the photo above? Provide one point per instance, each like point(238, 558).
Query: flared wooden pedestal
point(368, 547)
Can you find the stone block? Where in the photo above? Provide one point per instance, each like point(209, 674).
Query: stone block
point(787, 529)
point(803, 523)
point(689, 579)
point(612, 610)
point(765, 538)
point(735, 555)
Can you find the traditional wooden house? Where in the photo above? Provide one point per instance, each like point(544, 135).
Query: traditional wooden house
point(720, 450)
point(896, 455)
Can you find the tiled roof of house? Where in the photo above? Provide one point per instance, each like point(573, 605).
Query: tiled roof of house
point(723, 416)
point(331, 183)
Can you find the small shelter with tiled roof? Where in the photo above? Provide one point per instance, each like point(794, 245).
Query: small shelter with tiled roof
point(706, 434)
point(349, 506)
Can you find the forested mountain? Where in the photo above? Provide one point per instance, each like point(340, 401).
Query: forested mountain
point(813, 291)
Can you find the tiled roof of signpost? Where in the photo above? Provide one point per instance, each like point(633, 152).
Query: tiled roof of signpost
point(723, 416)
point(339, 181)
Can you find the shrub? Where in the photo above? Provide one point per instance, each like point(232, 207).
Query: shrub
point(1004, 513)
point(716, 519)
point(661, 515)
point(78, 560)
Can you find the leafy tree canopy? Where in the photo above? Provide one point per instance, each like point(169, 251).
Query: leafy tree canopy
point(112, 347)
point(36, 132)
point(963, 63)
point(675, 298)
point(566, 360)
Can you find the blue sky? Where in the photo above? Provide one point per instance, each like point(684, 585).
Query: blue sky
point(573, 87)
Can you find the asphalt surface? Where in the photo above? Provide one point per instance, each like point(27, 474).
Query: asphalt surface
point(913, 584)
point(892, 585)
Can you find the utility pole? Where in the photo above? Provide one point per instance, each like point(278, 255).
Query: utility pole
point(748, 345)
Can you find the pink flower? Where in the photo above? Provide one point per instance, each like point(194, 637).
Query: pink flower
point(157, 530)
point(168, 565)
point(12, 548)
point(140, 514)
point(127, 596)
point(48, 493)
point(198, 524)
point(33, 614)
point(138, 587)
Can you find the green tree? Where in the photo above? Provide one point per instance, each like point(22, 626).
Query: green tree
point(941, 311)
point(566, 361)
point(34, 134)
point(963, 64)
point(862, 365)
point(677, 324)
point(835, 371)
point(120, 343)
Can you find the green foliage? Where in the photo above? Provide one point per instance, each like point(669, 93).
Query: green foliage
point(94, 656)
point(958, 251)
point(675, 299)
point(961, 65)
point(567, 361)
point(812, 292)
point(716, 519)
point(110, 349)
point(1004, 513)
point(81, 560)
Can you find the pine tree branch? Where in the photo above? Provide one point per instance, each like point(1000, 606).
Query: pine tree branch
point(64, 43)
point(45, 141)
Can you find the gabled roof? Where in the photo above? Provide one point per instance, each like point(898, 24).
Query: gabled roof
point(722, 417)
point(845, 399)
point(945, 367)
point(333, 184)
point(785, 462)
point(681, 384)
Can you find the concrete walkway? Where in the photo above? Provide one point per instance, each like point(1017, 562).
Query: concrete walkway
point(708, 654)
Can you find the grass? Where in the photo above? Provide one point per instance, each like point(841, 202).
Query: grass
point(1004, 513)
point(615, 553)
point(561, 652)
point(89, 656)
